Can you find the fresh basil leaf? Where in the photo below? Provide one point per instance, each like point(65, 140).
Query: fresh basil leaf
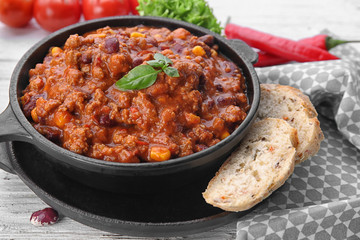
point(172, 72)
point(144, 76)
point(155, 63)
point(160, 57)
point(139, 77)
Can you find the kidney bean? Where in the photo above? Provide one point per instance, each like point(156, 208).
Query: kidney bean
point(224, 101)
point(211, 103)
point(86, 58)
point(105, 120)
point(152, 41)
point(177, 48)
point(219, 87)
point(202, 80)
point(46, 216)
point(51, 133)
point(112, 45)
point(164, 46)
point(29, 106)
point(207, 39)
point(137, 61)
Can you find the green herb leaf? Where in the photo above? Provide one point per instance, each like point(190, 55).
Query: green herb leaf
point(172, 72)
point(144, 76)
point(161, 58)
point(155, 63)
point(139, 77)
point(194, 11)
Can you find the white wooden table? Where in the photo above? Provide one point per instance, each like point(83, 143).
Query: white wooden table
point(292, 19)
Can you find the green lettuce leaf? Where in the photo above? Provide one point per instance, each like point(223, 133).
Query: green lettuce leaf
point(193, 11)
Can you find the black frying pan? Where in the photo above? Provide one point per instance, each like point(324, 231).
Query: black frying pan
point(124, 177)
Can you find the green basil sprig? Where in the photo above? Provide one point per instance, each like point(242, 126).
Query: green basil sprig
point(144, 76)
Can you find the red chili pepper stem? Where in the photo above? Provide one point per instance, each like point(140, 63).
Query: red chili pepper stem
point(332, 42)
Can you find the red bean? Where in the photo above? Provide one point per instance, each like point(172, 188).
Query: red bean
point(207, 39)
point(105, 120)
point(211, 103)
point(112, 45)
point(47, 216)
point(29, 106)
point(86, 58)
point(137, 61)
point(152, 41)
point(178, 47)
point(51, 133)
point(219, 87)
point(224, 101)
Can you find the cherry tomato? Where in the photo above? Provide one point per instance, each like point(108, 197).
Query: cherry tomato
point(55, 14)
point(133, 5)
point(104, 8)
point(16, 13)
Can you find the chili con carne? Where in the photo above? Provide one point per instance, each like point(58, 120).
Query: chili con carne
point(72, 98)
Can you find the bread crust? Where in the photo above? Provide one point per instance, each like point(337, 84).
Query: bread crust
point(286, 132)
point(290, 104)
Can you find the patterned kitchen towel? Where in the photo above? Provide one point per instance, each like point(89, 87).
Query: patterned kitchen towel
point(321, 200)
point(329, 180)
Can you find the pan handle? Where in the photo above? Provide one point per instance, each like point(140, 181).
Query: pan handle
point(243, 48)
point(11, 129)
point(5, 161)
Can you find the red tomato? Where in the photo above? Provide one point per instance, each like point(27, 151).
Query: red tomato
point(55, 14)
point(16, 13)
point(104, 8)
point(133, 5)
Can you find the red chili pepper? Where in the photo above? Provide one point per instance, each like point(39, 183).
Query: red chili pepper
point(286, 48)
point(266, 59)
point(318, 41)
point(321, 41)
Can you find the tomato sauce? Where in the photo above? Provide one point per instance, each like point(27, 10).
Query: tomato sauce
point(72, 99)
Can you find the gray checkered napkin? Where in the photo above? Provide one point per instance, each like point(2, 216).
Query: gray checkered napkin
point(321, 200)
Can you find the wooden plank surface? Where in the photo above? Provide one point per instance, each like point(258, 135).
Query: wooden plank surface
point(292, 19)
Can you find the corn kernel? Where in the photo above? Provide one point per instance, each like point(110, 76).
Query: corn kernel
point(160, 154)
point(198, 51)
point(192, 119)
point(34, 115)
point(56, 50)
point(61, 118)
point(224, 135)
point(137, 34)
point(97, 35)
point(162, 99)
point(213, 53)
point(158, 36)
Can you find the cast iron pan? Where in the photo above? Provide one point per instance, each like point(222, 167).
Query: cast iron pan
point(124, 177)
point(178, 212)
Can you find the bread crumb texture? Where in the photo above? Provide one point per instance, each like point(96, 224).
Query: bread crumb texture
point(260, 165)
point(290, 104)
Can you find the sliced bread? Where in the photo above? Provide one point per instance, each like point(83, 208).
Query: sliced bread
point(290, 104)
point(260, 165)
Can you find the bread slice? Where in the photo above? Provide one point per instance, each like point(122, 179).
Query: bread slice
point(290, 104)
point(260, 165)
